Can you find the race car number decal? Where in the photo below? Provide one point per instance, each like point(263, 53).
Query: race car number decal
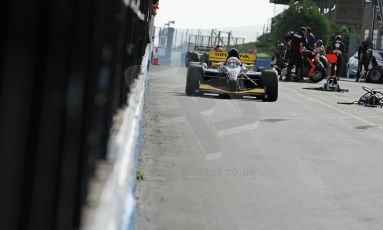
point(215, 56)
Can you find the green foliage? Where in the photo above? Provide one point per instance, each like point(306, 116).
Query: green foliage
point(243, 47)
point(139, 175)
point(265, 46)
point(305, 13)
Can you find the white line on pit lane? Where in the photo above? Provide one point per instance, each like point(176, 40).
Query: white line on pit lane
point(238, 129)
point(213, 156)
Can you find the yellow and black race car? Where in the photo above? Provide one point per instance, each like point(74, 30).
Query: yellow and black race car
point(199, 54)
point(231, 74)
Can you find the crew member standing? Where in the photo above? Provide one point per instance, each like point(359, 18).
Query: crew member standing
point(337, 48)
point(278, 59)
point(297, 41)
point(310, 37)
point(366, 44)
point(369, 63)
point(319, 47)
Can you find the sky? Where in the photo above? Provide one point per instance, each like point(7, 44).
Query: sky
point(210, 14)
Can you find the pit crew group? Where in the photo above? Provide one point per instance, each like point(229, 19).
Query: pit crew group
point(298, 45)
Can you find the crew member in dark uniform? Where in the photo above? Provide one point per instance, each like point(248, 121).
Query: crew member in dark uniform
point(369, 62)
point(297, 42)
point(310, 38)
point(337, 47)
point(366, 44)
point(278, 58)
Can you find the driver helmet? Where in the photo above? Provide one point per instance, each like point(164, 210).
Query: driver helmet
point(218, 48)
point(289, 35)
point(369, 51)
point(338, 37)
point(233, 53)
point(303, 31)
point(319, 43)
point(281, 47)
point(233, 62)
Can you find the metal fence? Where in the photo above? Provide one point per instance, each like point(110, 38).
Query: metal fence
point(66, 66)
point(182, 38)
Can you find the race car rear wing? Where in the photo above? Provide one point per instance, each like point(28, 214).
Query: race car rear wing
point(246, 58)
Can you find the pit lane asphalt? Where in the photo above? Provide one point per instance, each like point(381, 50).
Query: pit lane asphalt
point(303, 162)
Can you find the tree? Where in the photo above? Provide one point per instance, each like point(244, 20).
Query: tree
point(305, 13)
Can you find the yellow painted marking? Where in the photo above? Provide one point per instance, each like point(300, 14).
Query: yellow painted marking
point(246, 58)
point(209, 87)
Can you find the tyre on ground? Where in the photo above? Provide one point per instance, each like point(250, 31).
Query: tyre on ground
point(193, 79)
point(375, 76)
point(269, 79)
point(319, 75)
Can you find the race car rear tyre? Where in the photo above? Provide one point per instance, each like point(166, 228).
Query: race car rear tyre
point(187, 60)
point(191, 57)
point(194, 63)
point(205, 58)
point(375, 76)
point(270, 83)
point(193, 79)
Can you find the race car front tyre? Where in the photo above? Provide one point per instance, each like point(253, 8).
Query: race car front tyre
point(193, 79)
point(270, 82)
